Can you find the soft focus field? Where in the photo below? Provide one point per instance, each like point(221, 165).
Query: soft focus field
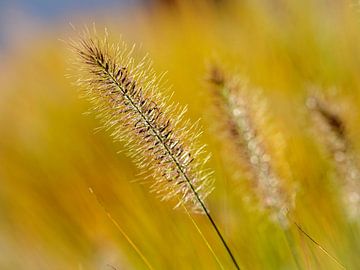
point(50, 154)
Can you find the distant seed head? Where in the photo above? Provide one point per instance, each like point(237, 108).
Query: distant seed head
point(237, 106)
point(126, 96)
point(331, 131)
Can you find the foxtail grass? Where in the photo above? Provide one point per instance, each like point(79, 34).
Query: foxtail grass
point(241, 112)
point(125, 94)
point(332, 133)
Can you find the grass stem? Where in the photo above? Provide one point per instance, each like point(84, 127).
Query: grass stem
point(124, 234)
point(319, 246)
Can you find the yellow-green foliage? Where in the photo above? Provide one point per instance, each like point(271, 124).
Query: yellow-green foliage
point(50, 154)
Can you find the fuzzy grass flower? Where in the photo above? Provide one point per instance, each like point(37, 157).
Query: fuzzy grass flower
point(125, 94)
point(332, 133)
point(243, 111)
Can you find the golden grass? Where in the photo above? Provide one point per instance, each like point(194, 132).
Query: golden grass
point(49, 154)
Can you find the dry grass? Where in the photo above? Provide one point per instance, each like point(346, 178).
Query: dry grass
point(49, 155)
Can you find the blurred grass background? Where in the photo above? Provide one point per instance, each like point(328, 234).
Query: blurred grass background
point(50, 154)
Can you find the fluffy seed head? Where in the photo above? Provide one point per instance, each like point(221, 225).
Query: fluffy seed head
point(243, 111)
point(125, 95)
point(331, 131)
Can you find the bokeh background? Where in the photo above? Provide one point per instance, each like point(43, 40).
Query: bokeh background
point(50, 154)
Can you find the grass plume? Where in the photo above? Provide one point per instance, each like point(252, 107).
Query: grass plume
point(125, 94)
point(331, 130)
point(237, 107)
point(243, 112)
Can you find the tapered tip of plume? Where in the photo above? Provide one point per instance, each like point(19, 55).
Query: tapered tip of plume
point(215, 75)
point(126, 95)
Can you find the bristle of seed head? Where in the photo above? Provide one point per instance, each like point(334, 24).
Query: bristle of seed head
point(125, 95)
point(331, 131)
point(242, 110)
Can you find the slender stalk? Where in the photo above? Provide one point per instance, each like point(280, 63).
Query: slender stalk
point(220, 235)
point(124, 234)
point(319, 246)
point(203, 237)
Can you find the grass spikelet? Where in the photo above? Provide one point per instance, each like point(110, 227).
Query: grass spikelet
point(125, 95)
point(243, 112)
point(332, 133)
